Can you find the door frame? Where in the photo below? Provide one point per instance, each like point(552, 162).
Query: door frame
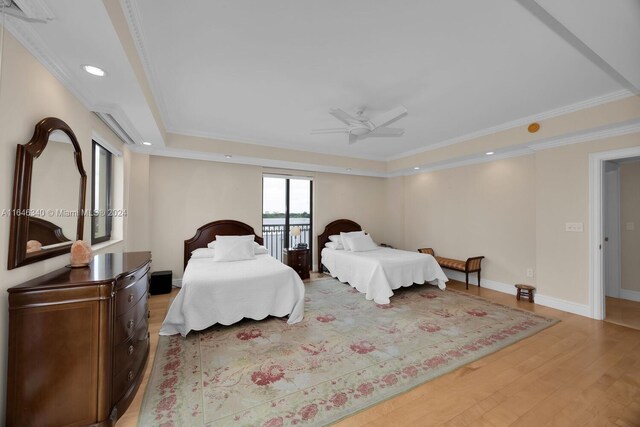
point(613, 224)
point(596, 225)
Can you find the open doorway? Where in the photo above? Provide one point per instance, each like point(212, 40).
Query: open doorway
point(597, 231)
point(621, 241)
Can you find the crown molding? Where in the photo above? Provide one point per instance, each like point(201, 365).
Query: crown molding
point(465, 161)
point(610, 131)
point(134, 19)
point(516, 151)
point(251, 161)
point(23, 32)
point(268, 143)
point(593, 102)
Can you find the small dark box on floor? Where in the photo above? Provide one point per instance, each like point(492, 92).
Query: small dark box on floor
point(160, 282)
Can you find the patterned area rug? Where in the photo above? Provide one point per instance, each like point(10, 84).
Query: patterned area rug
point(346, 355)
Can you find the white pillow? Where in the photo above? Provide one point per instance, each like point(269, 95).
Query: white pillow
point(202, 253)
point(345, 236)
point(335, 238)
point(233, 250)
point(257, 249)
point(334, 245)
point(360, 243)
point(212, 244)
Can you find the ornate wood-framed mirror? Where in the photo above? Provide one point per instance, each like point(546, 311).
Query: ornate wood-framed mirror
point(49, 222)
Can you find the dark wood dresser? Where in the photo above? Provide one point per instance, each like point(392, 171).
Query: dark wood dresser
point(298, 259)
point(78, 342)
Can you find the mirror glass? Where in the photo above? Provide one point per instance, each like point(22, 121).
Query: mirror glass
point(54, 196)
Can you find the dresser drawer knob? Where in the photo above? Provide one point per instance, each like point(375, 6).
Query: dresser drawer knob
point(130, 297)
point(130, 324)
point(130, 375)
point(130, 350)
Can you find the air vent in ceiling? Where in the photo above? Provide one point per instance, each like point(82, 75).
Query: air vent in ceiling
point(113, 124)
point(30, 11)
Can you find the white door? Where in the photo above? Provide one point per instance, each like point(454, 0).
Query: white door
point(611, 244)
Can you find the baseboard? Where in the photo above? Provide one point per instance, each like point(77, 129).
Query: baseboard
point(489, 284)
point(176, 283)
point(547, 301)
point(630, 295)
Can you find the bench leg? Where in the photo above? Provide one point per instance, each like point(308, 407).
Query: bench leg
point(518, 296)
point(478, 278)
point(466, 275)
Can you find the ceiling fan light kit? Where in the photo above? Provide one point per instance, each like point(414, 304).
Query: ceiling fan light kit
point(360, 126)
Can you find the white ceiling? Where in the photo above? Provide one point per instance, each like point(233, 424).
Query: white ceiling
point(267, 72)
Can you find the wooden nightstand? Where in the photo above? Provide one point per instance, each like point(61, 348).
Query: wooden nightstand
point(298, 259)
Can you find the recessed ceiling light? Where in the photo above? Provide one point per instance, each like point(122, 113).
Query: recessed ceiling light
point(93, 70)
point(489, 153)
point(416, 168)
point(146, 143)
point(228, 156)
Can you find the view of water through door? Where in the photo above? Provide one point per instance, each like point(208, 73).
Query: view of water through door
point(286, 209)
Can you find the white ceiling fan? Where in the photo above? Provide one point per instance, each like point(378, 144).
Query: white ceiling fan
point(361, 127)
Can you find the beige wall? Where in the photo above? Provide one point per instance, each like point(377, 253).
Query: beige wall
point(630, 225)
point(186, 194)
point(485, 209)
point(28, 93)
point(562, 195)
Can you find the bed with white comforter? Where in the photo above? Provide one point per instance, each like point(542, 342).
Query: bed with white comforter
point(376, 273)
point(225, 292)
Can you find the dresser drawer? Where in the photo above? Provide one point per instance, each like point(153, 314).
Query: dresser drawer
point(126, 352)
point(126, 325)
point(126, 378)
point(128, 296)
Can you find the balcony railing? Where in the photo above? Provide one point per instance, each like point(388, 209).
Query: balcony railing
point(273, 235)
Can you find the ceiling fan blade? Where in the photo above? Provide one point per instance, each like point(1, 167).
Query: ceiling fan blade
point(331, 130)
point(339, 114)
point(385, 132)
point(352, 138)
point(389, 117)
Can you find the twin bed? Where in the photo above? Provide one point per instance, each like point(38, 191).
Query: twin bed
point(222, 292)
point(225, 292)
point(376, 272)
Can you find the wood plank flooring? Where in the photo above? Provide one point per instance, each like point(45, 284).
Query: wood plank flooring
point(580, 372)
point(623, 312)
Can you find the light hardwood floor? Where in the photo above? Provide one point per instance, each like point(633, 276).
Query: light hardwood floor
point(580, 372)
point(623, 312)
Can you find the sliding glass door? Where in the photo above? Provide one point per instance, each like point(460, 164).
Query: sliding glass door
point(286, 212)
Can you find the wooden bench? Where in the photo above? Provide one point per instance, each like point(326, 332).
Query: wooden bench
point(471, 265)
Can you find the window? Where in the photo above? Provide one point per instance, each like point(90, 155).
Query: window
point(286, 205)
point(101, 193)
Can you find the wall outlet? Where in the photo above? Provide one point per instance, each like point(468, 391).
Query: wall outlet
point(631, 226)
point(573, 226)
point(529, 272)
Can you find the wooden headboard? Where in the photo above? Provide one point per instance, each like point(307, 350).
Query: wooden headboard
point(207, 233)
point(335, 227)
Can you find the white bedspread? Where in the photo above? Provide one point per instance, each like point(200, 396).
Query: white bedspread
point(376, 273)
point(226, 292)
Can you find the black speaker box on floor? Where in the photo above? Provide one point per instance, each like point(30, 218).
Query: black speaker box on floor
point(160, 282)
